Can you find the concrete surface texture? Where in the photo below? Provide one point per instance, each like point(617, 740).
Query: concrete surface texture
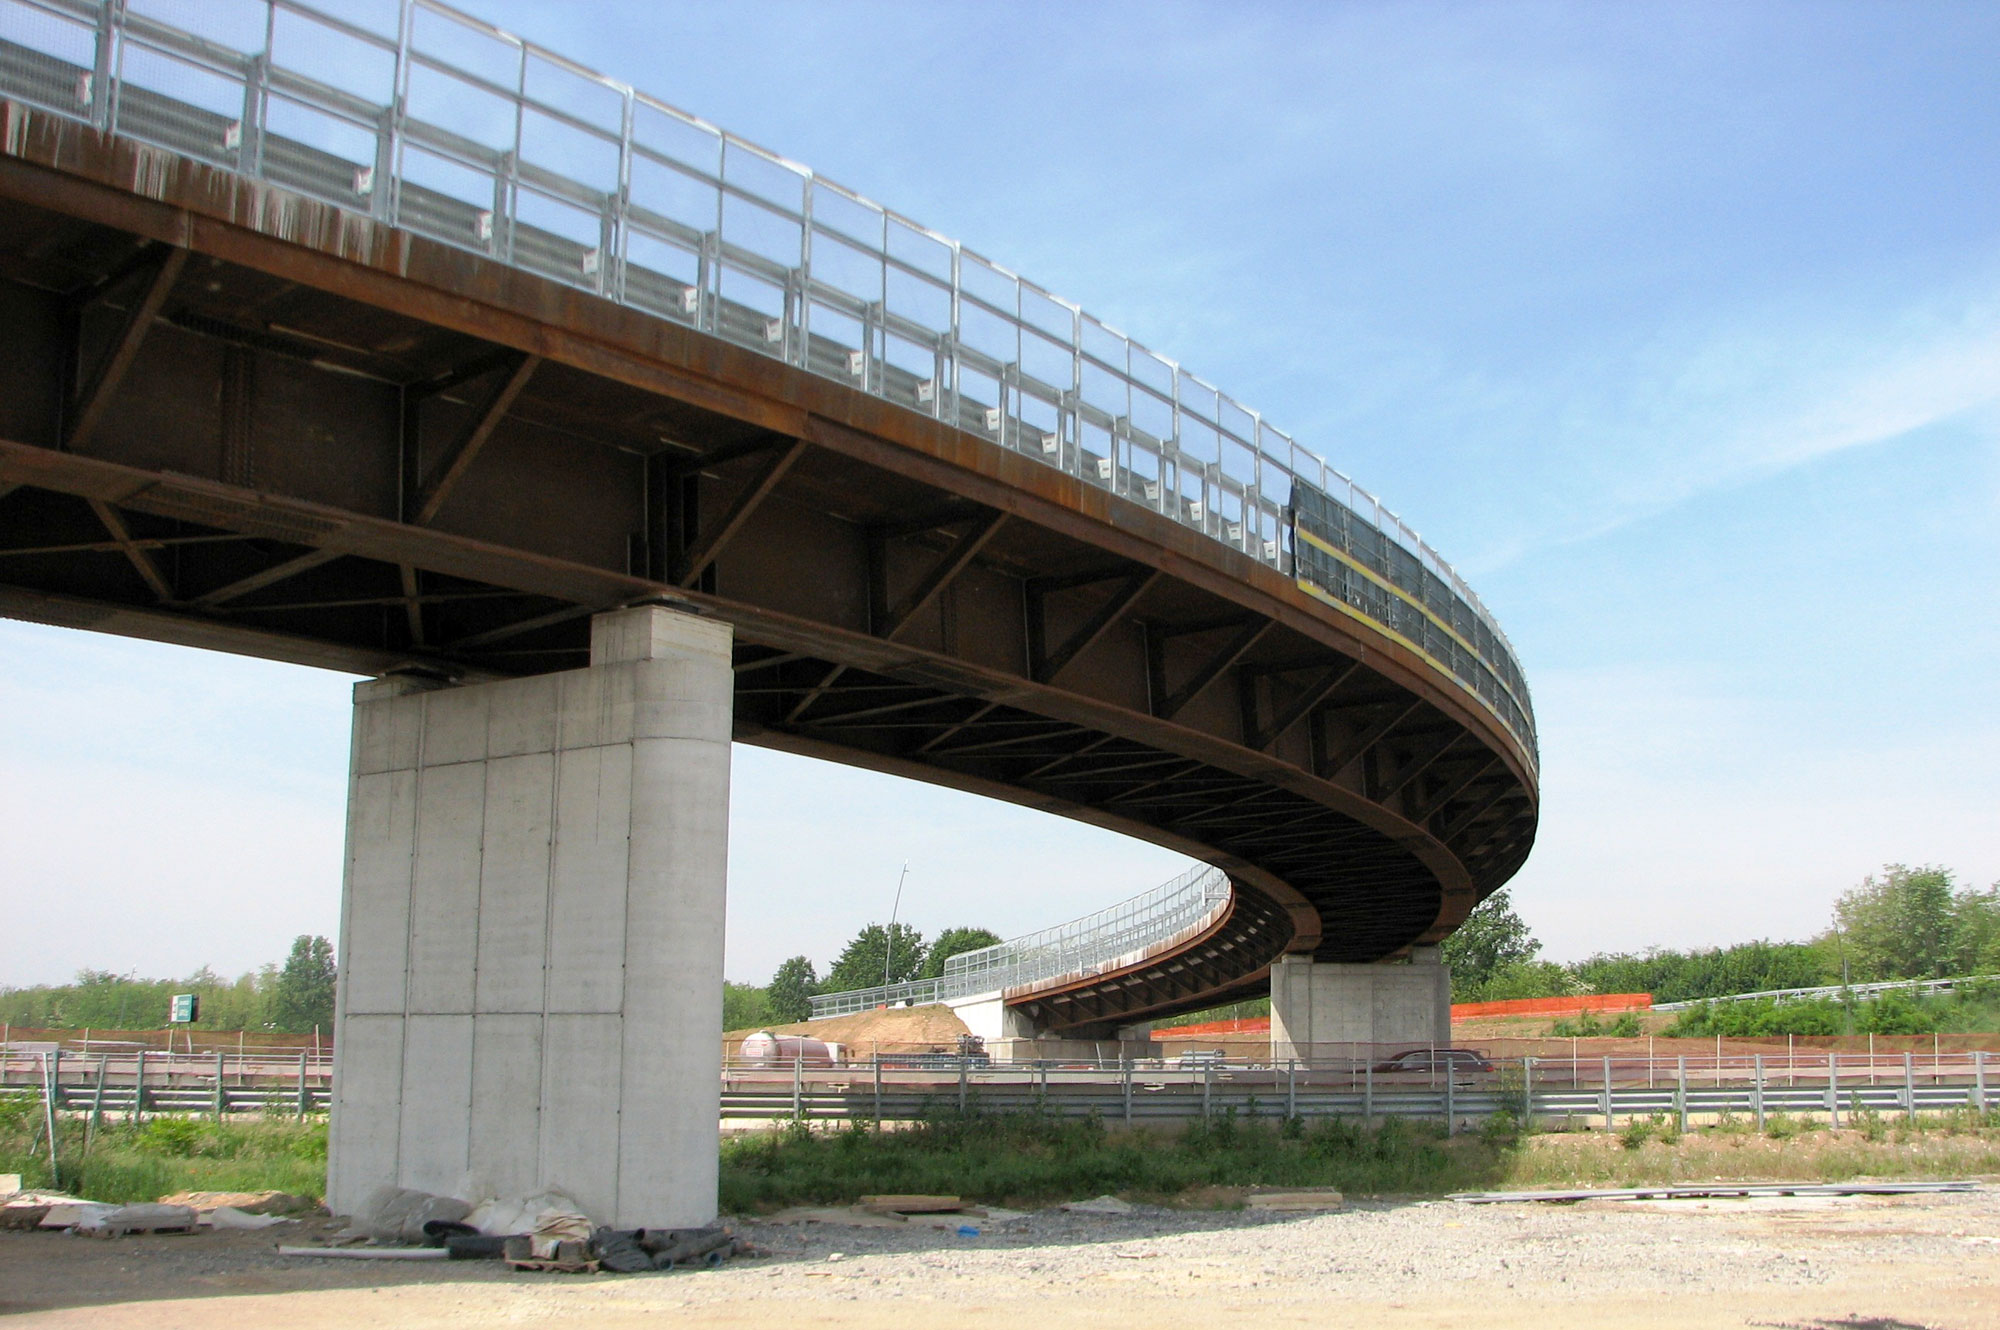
point(1318, 1005)
point(532, 928)
point(988, 1016)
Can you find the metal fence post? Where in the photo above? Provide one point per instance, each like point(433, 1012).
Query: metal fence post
point(878, 1089)
point(1127, 1063)
point(1681, 1093)
point(302, 1086)
point(1291, 1088)
point(96, 1102)
point(1527, 1090)
point(798, 1082)
point(1207, 1081)
point(1609, 1125)
point(961, 1084)
point(1909, 1087)
point(1757, 1089)
point(220, 1101)
point(1450, 1102)
point(138, 1113)
point(1833, 1089)
point(51, 1068)
point(1368, 1092)
point(1979, 1080)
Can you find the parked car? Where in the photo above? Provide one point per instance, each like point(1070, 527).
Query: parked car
point(1459, 1061)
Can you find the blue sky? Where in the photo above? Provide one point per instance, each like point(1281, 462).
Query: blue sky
point(1676, 328)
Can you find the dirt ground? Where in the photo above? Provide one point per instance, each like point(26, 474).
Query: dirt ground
point(890, 1030)
point(1891, 1263)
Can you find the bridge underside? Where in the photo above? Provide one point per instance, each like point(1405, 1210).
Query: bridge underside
point(375, 453)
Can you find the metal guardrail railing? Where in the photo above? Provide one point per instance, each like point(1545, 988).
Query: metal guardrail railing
point(1116, 935)
point(429, 119)
point(131, 1086)
point(1914, 987)
point(1831, 1090)
point(1808, 1086)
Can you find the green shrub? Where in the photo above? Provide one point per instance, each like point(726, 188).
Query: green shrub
point(1783, 1126)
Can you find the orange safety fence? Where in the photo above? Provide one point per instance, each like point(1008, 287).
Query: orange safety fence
point(1210, 1029)
point(1554, 1006)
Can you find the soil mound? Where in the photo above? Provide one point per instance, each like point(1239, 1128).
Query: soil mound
point(933, 1028)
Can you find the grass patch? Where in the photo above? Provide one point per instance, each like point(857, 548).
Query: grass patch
point(1027, 1159)
point(165, 1155)
point(1031, 1159)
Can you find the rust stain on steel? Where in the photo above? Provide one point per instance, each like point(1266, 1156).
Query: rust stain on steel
point(330, 528)
point(157, 194)
point(324, 245)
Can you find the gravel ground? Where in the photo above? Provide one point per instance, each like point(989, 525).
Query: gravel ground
point(1377, 1251)
point(1887, 1263)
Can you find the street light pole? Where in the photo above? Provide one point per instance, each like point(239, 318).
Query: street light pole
point(889, 938)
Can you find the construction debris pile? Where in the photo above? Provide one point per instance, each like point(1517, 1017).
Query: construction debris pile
point(185, 1212)
point(547, 1232)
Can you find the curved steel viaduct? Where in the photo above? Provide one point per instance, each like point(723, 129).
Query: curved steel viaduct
point(423, 353)
point(264, 397)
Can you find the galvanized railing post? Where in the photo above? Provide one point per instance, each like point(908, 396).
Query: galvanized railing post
point(1368, 1091)
point(1681, 1094)
point(1909, 1087)
point(961, 1084)
point(1128, 1089)
point(798, 1083)
point(1207, 1081)
point(96, 1102)
point(51, 1069)
point(1527, 1090)
point(301, 1116)
point(1291, 1088)
point(1979, 1080)
point(1450, 1102)
point(878, 1088)
point(220, 1102)
point(1833, 1089)
point(138, 1113)
point(1757, 1089)
point(1609, 1124)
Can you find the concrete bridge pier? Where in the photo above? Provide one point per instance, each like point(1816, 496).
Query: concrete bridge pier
point(531, 930)
point(1320, 1009)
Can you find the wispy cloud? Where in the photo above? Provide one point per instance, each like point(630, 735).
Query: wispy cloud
point(1688, 417)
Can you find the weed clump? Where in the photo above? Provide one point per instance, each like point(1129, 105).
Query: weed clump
point(141, 1162)
point(1034, 1158)
point(1638, 1131)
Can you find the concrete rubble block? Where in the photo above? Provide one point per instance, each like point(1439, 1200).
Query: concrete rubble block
point(1304, 1200)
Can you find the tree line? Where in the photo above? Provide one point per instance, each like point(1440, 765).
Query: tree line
point(1900, 923)
point(896, 951)
point(293, 998)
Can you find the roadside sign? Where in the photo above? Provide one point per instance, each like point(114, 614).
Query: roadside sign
point(183, 1009)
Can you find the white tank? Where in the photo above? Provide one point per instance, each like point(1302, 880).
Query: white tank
point(764, 1049)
